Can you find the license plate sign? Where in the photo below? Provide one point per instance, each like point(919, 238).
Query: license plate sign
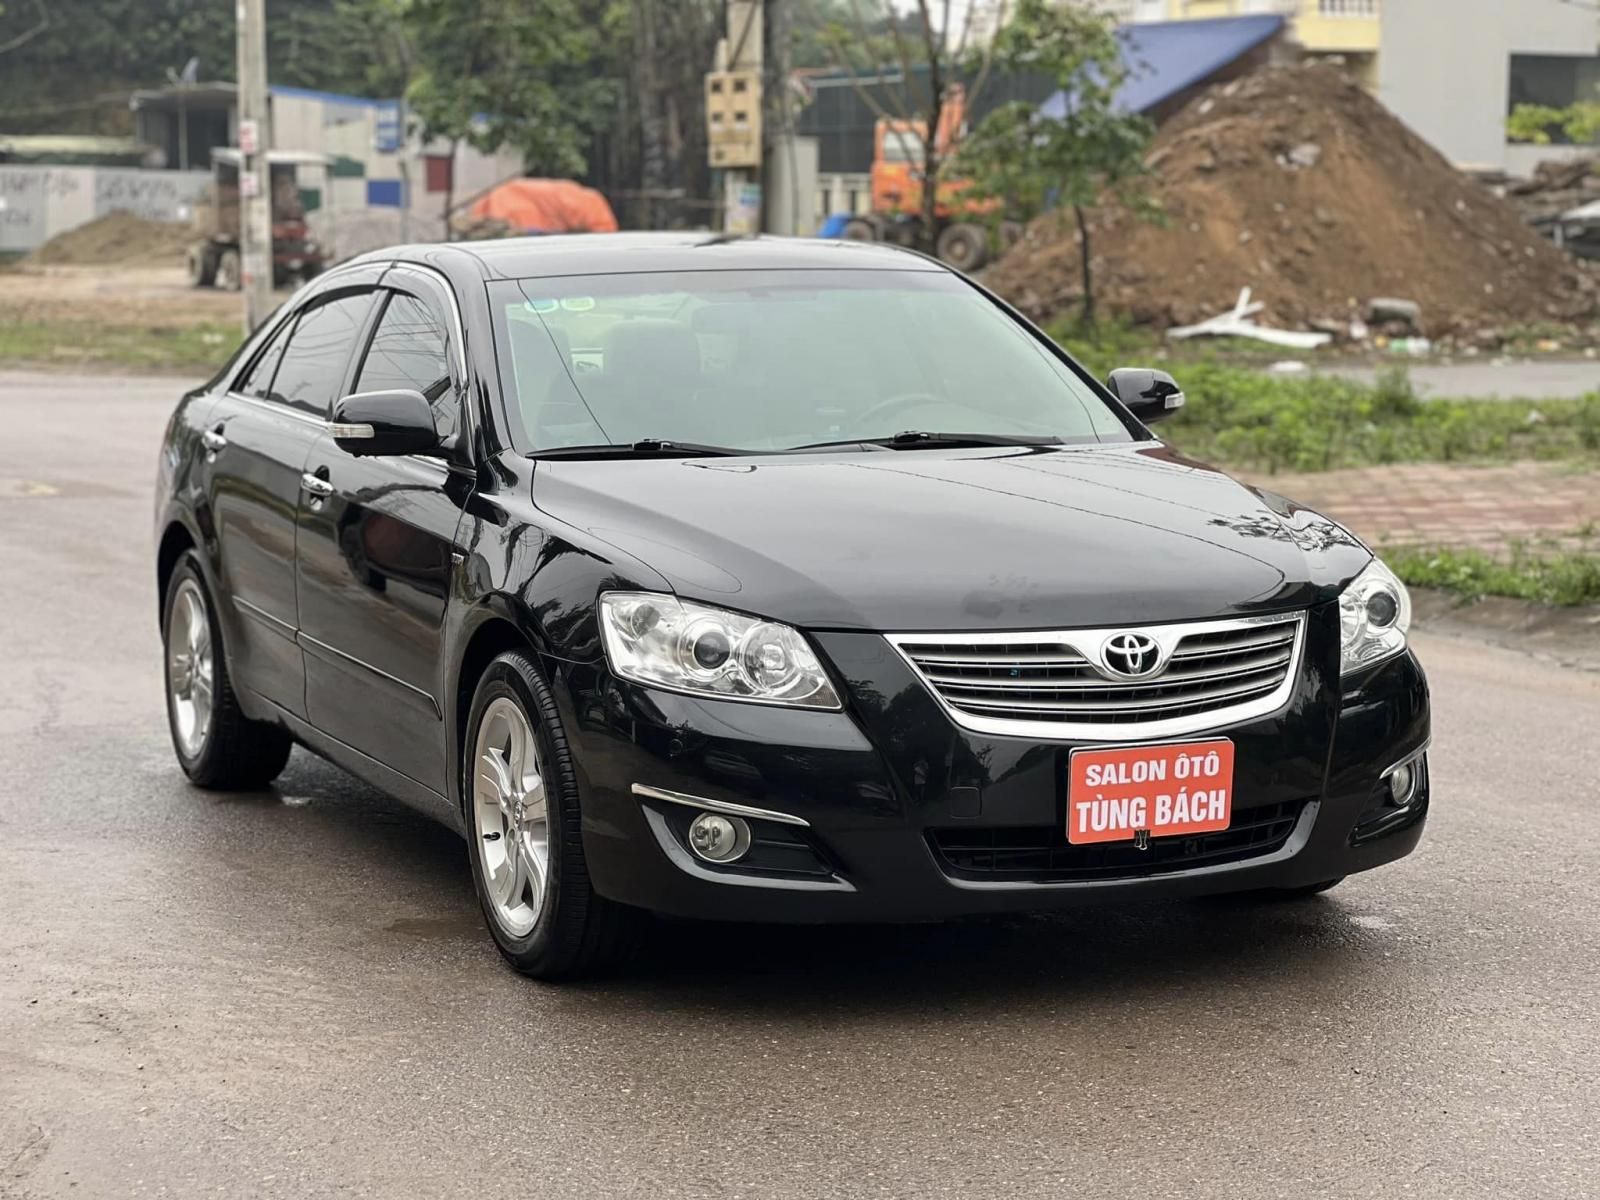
point(1117, 795)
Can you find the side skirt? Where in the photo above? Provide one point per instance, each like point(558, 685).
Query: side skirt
point(363, 766)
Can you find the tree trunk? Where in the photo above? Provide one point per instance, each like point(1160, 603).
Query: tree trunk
point(1087, 316)
point(930, 158)
point(449, 189)
point(652, 128)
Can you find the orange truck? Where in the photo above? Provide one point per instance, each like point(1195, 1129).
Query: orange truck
point(897, 183)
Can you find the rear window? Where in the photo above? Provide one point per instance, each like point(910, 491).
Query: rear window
point(774, 360)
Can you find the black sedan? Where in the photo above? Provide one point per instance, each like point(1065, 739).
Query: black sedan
point(766, 580)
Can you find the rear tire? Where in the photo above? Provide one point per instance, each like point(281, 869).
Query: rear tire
point(217, 746)
point(964, 247)
point(859, 229)
point(524, 833)
point(229, 275)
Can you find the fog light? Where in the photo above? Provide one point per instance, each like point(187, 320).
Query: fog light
point(1403, 784)
point(719, 839)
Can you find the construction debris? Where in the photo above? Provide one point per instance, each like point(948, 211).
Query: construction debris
point(1236, 322)
point(1375, 211)
point(1561, 201)
point(1384, 308)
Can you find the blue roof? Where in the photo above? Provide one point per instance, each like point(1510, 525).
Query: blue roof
point(1165, 57)
point(300, 93)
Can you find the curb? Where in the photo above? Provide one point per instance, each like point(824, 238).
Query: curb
point(1567, 636)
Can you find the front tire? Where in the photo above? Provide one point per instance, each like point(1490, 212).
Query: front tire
point(202, 265)
point(524, 832)
point(217, 746)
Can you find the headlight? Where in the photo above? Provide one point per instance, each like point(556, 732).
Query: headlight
point(661, 640)
point(1374, 614)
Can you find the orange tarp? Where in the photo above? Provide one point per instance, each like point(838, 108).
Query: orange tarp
point(547, 206)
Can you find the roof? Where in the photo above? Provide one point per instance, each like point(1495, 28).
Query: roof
point(1166, 57)
point(309, 158)
point(75, 147)
point(628, 253)
point(223, 93)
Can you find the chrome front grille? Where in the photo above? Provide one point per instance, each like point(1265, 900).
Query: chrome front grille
point(1066, 684)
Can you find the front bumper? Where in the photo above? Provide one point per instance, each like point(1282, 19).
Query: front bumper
point(908, 817)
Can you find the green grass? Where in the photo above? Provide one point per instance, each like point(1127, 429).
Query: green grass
point(1243, 418)
point(1561, 577)
point(192, 348)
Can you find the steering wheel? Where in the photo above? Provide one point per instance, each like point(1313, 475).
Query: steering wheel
point(895, 404)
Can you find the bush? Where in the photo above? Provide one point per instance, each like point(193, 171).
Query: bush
point(1557, 578)
point(1243, 418)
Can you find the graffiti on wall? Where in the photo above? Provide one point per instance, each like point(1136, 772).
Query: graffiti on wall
point(36, 203)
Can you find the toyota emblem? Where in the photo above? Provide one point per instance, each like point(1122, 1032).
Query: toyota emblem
point(1131, 655)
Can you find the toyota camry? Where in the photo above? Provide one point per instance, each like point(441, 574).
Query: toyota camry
point(766, 580)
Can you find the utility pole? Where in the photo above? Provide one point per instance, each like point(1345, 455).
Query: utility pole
point(734, 116)
point(255, 177)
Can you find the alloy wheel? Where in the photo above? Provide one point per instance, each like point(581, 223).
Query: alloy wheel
point(191, 669)
point(511, 816)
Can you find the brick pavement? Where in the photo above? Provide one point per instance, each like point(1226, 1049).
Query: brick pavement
point(1469, 507)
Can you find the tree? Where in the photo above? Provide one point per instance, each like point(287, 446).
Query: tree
point(924, 48)
point(1578, 123)
point(507, 73)
point(1091, 150)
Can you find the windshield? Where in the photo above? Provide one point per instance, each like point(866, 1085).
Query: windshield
point(777, 360)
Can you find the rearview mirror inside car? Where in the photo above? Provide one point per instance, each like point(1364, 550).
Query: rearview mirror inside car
point(1150, 394)
point(383, 423)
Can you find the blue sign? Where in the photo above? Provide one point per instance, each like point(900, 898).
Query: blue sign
point(384, 193)
point(390, 134)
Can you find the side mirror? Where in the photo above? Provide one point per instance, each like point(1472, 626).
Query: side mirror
point(1150, 395)
point(382, 423)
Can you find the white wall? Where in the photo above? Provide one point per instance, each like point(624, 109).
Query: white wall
point(347, 127)
point(1444, 66)
point(36, 203)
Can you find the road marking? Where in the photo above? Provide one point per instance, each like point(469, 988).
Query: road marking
point(27, 489)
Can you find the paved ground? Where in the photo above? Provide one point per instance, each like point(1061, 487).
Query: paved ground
point(288, 994)
point(1539, 379)
point(1439, 504)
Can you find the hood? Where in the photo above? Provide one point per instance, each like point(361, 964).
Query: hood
point(990, 539)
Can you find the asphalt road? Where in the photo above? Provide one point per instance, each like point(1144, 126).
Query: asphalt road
point(289, 994)
point(1541, 379)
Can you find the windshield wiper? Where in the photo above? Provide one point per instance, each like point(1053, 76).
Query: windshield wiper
point(912, 439)
point(644, 448)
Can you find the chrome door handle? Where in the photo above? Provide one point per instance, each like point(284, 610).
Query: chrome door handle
point(213, 440)
point(316, 485)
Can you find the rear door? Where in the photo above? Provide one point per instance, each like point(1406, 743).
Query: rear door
point(257, 437)
point(374, 560)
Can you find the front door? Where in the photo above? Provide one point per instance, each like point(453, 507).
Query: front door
point(374, 560)
point(257, 438)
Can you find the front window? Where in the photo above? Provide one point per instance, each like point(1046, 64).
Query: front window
point(778, 360)
point(903, 146)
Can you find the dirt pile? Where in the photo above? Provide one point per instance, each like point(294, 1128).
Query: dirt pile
point(1297, 183)
point(119, 238)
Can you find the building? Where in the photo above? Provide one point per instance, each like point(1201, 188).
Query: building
point(1169, 63)
point(1349, 29)
point(1451, 69)
point(383, 185)
point(1454, 69)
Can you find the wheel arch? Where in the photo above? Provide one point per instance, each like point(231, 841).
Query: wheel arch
point(494, 629)
point(176, 541)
